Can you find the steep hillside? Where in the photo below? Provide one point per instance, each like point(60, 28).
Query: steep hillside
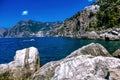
point(2, 30)
point(30, 28)
point(101, 15)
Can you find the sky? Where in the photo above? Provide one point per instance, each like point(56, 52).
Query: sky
point(12, 11)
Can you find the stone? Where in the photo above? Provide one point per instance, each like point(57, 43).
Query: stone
point(92, 8)
point(90, 35)
point(108, 36)
point(117, 53)
point(91, 62)
point(25, 63)
point(115, 74)
point(86, 67)
point(91, 49)
point(114, 32)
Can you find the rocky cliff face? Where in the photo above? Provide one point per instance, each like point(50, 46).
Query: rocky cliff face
point(91, 62)
point(99, 16)
point(30, 28)
point(25, 63)
point(77, 24)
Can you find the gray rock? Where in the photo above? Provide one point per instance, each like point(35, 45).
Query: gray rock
point(108, 36)
point(117, 53)
point(92, 8)
point(90, 35)
point(115, 33)
point(91, 62)
point(91, 49)
point(115, 74)
point(25, 63)
point(86, 67)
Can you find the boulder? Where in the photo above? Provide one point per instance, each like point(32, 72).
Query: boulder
point(114, 32)
point(115, 74)
point(86, 67)
point(90, 35)
point(117, 53)
point(108, 36)
point(25, 63)
point(91, 62)
point(91, 49)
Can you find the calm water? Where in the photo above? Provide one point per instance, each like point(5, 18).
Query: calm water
point(50, 49)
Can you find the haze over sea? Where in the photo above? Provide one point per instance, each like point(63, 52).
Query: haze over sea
point(50, 48)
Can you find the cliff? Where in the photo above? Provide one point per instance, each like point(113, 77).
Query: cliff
point(99, 17)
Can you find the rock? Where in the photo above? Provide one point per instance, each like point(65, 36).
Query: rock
point(91, 62)
point(90, 35)
point(108, 36)
point(115, 74)
point(117, 53)
point(92, 8)
point(46, 72)
point(86, 68)
point(25, 63)
point(83, 67)
point(91, 49)
point(114, 32)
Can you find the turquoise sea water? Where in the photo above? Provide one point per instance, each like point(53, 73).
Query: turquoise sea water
point(50, 48)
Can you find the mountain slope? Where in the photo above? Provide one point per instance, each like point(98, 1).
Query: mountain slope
point(30, 28)
point(101, 15)
point(2, 30)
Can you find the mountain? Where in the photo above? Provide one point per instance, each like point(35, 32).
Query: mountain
point(99, 16)
point(2, 30)
point(30, 28)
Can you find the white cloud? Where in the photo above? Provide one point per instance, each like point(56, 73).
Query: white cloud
point(90, 0)
point(25, 12)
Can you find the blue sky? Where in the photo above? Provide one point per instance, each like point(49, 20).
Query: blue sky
point(12, 11)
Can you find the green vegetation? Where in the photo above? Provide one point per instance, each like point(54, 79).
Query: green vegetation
point(109, 14)
point(91, 15)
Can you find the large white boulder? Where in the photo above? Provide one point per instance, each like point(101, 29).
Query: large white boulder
point(25, 63)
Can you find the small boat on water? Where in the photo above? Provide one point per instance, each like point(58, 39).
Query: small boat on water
point(28, 40)
point(32, 39)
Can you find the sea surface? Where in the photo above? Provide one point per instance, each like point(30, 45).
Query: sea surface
point(50, 48)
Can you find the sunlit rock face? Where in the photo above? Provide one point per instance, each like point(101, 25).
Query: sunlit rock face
point(86, 67)
point(91, 62)
point(25, 63)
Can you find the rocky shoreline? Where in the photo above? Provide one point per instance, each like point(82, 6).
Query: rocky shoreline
point(108, 34)
point(91, 62)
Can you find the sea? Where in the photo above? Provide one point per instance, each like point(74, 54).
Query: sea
point(50, 48)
